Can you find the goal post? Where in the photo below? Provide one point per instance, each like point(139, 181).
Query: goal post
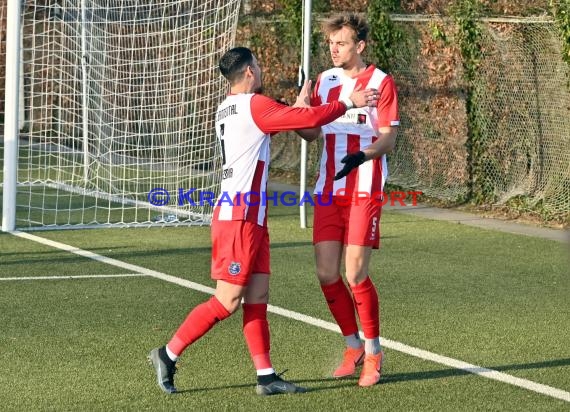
point(11, 116)
point(118, 104)
point(304, 75)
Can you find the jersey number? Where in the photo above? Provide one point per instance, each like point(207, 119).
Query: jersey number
point(223, 152)
point(222, 129)
point(374, 228)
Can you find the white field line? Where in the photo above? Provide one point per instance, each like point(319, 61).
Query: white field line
point(126, 275)
point(400, 347)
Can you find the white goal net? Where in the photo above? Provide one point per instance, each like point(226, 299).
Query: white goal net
point(116, 111)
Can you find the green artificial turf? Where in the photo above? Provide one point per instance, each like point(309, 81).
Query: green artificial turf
point(493, 299)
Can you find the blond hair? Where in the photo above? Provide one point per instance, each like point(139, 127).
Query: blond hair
point(353, 21)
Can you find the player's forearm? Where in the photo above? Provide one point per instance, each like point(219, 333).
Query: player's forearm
point(385, 144)
point(273, 117)
point(309, 134)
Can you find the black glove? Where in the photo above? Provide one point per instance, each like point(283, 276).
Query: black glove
point(351, 161)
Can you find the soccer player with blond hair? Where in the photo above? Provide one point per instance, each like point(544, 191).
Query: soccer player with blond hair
point(352, 174)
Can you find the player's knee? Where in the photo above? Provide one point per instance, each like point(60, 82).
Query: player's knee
point(233, 305)
point(230, 302)
point(258, 296)
point(354, 278)
point(327, 277)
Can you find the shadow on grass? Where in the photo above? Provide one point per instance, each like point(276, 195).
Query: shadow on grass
point(338, 383)
point(325, 384)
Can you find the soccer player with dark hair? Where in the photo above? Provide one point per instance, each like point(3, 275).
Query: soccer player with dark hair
point(352, 171)
point(245, 122)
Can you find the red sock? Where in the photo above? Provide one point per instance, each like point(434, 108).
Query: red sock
point(199, 321)
point(368, 307)
point(341, 306)
point(256, 332)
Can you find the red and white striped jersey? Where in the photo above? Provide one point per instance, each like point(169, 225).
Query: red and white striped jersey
point(244, 125)
point(354, 131)
point(245, 157)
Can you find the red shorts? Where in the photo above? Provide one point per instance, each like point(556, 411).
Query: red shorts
point(239, 248)
point(352, 221)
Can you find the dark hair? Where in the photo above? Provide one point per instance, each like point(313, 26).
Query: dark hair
point(352, 21)
point(234, 62)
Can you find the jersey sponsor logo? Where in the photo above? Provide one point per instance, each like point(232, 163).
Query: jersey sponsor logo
point(333, 78)
point(234, 268)
point(352, 118)
point(348, 117)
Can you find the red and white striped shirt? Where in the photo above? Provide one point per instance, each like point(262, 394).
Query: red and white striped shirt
point(244, 125)
point(354, 131)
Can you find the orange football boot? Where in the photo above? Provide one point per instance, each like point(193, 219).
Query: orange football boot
point(371, 370)
point(351, 359)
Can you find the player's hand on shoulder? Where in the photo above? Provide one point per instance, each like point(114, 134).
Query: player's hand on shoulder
point(364, 97)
